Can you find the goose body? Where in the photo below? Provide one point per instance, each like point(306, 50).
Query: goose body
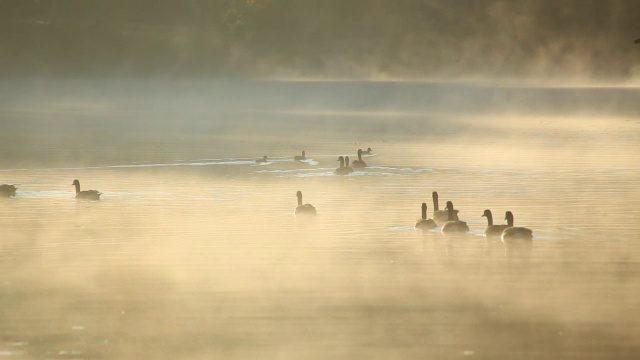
point(300, 158)
point(7, 190)
point(359, 164)
point(343, 170)
point(425, 223)
point(453, 226)
point(262, 161)
point(441, 216)
point(513, 235)
point(86, 194)
point(492, 230)
point(306, 209)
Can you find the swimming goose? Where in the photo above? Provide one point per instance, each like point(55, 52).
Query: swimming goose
point(86, 194)
point(367, 152)
point(306, 209)
point(453, 226)
point(441, 216)
point(300, 158)
point(515, 235)
point(263, 160)
point(425, 223)
point(7, 190)
point(492, 230)
point(343, 170)
point(637, 41)
point(359, 164)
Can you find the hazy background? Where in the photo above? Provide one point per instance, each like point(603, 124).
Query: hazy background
point(535, 39)
point(194, 251)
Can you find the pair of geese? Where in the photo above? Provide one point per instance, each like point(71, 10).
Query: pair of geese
point(448, 219)
point(10, 190)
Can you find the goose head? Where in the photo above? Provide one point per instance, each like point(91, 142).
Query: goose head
point(341, 160)
point(489, 216)
point(299, 195)
point(509, 217)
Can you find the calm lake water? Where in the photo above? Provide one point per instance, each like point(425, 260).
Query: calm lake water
point(194, 251)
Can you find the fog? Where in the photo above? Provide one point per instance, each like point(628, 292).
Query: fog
point(194, 250)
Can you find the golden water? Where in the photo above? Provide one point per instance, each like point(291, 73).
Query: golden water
point(194, 251)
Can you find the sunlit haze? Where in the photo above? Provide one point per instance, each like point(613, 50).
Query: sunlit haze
point(198, 247)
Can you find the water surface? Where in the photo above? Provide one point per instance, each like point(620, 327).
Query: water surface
point(194, 251)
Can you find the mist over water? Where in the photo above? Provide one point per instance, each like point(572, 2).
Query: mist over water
point(194, 250)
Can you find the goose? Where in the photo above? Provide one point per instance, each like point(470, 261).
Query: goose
point(453, 226)
point(359, 164)
point(300, 158)
point(86, 194)
point(441, 216)
point(515, 235)
point(367, 152)
point(263, 160)
point(492, 230)
point(425, 223)
point(343, 170)
point(306, 209)
point(637, 41)
point(7, 190)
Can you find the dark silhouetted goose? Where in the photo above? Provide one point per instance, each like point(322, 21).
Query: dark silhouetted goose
point(306, 209)
point(343, 170)
point(637, 41)
point(263, 160)
point(367, 152)
point(514, 235)
point(492, 230)
point(425, 223)
point(86, 194)
point(300, 158)
point(441, 216)
point(453, 226)
point(7, 190)
point(359, 164)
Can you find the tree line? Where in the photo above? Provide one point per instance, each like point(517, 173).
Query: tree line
point(336, 38)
